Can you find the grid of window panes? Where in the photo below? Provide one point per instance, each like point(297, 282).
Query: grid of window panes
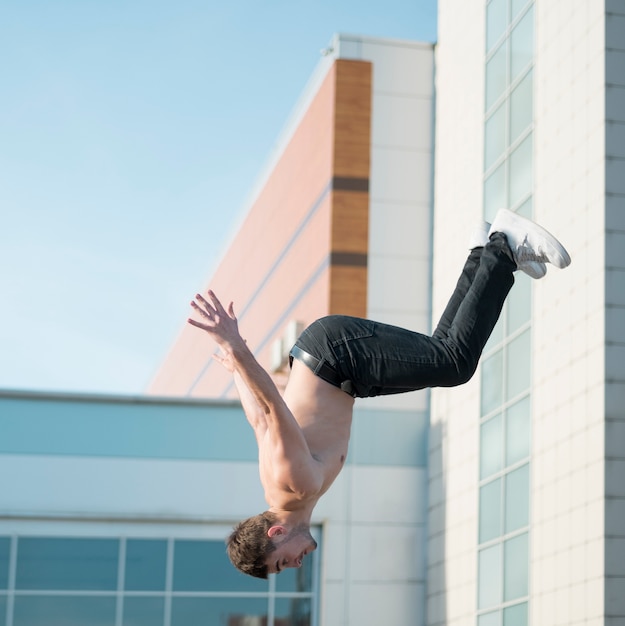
point(503, 551)
point(76, 581)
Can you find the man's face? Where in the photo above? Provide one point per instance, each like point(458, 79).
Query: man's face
point(290, 550)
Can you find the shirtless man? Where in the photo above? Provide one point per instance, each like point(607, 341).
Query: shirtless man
point(303, 434)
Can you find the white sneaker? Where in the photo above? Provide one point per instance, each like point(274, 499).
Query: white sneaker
point(479, 238)
point(528, 241)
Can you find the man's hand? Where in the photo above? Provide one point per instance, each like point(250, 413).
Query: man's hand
point(220, 324)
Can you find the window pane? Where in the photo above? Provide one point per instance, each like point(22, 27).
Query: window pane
point(489, 619)
point(492, 375)
point(490, 511)
point(522, 44)
point(495, 136)
point(527, 208)
point(515, 615)
point(146, 560)
point(77, 564)
point(521, 107)
point(144, 611)
point(496, 75)
point(489, 576)
point(518, 365)
point(5, 550)
point(517, 5)
point(516, 567)
point(519, 309)
point(496, 336)
point(494, 193)
point(517, 498)
point(63, 611)
point(3, 610)
point(496, 21)
point(218, 611)
point(521, 175)
point(292, 611)
point(518, 431)
point(490, 446)
point(204, 566)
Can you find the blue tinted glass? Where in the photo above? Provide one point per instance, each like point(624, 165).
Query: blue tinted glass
point(491, 445)
point(515, 615)
point(144, 611)
point(5, 549)
point(521, 107)
point(63, 611)
point(518, 431)
point(518, 365)
point(521, 174)
point(494, 193)
point(517, 498)
point(489, 619)
point(146, 562)
point(204, 566)
point(218, 611)
point(496, 21)
point(496, 76)
point(490, 511)
point(293, 611)
point(516, 567)
point(3, 610)
point(494, 136)
point(519, 309)
point(489, 577)
point(522, 44)
point(492, 382)
point(77, 564)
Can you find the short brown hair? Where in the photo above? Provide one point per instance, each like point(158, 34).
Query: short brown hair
point(249, 545)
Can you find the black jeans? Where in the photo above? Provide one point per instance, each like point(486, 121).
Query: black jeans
point(382, 359)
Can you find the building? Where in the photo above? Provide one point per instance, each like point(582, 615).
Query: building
point(498, 503)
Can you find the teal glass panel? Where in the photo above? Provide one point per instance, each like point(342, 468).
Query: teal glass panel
point(297, 579)
point(518, 365)
point(515, 615)
point(521, 175)
point(496, 336)
point(491, 381)
point(72, 564)
point(146, 563)
point(218, 611)
point(527, 208)
point(144, 611)
point(496, 21)
point(204, 566)
point(519, 309)
point(490, 511)
point(64, 611)
point(293, 611)
point(518, 431)
point(491, 447)
point(516, 559)
point(5, 553)
point(521, 107)
point(495, 136)
point(489, 619)
point(522, 44)
point(516, 7)
point(3, 610)
point(496, 75)
point(489, 577)
point(517, 498)
point(494, 193)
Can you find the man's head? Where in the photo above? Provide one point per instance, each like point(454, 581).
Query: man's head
point(259, 546)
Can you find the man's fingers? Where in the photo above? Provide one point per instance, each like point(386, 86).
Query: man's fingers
point(216, 303)
point(199, 324)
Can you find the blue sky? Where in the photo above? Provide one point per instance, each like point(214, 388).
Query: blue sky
point(131, 133)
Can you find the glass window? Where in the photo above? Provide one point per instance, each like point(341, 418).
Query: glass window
point(518, 365)
point(293, 611)
point(521, 171)
point(5, 551)
point(489, 619)
point(521, 107)
point(519, 309)
point(146, 562)
point(515, 615)
point(517, 498)
point(522, 44)
point(64, 611)
point(3, 610)
point(516, 567)
point(518, 431)
point(489, 577)
point(495, 136)
point(492, 377)
point(218, 611)
point(204, 566)
point(494, 193)
point(517, 5)
point(496, 336)
point(496, 79)
point(496, 21)
point(147, 611)
point(73, 564)
point(490, 511)
point(490, 447)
